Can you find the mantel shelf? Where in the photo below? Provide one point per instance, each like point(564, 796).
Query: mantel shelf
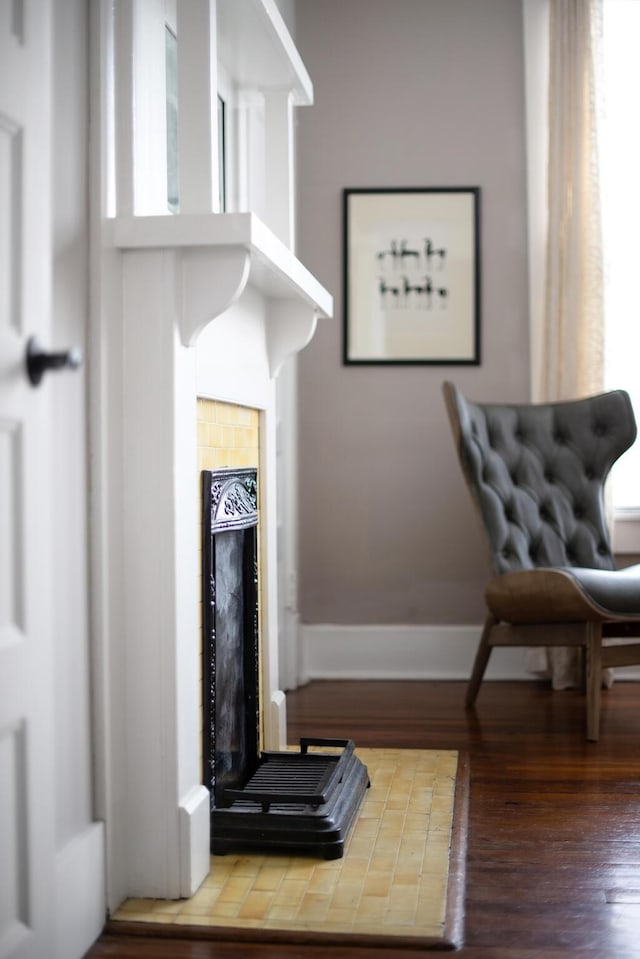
point(274, 270)
point(222, 253)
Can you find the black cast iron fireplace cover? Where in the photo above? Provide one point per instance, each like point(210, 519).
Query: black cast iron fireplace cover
point(294, 802)
point(286, 801)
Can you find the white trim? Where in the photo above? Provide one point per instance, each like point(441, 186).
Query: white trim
point(407, 652)
point(257, 50)
point(80, 892)
point(194, 840)
point(198, 121)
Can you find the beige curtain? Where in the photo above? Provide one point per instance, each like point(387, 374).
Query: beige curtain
point(570, 351)
point(573, 334)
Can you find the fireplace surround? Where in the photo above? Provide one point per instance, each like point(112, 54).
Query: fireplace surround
point(200, 304)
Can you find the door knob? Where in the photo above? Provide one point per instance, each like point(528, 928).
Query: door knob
point(39, 361)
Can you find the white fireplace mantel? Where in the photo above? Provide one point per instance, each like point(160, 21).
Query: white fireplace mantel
point(223, 253)
point(209, 304)
point(193, 304)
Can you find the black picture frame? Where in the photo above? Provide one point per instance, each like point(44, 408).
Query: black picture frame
point(411, 276)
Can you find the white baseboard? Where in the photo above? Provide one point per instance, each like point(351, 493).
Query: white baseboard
point(407, 652)
point(194, 840)
point(80, 893)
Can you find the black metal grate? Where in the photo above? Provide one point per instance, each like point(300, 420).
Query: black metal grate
point(298, 802)
point(303, 778)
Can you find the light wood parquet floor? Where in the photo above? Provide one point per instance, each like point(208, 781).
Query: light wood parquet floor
point(553, 865)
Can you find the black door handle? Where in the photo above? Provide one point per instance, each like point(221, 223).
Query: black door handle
point(39, 361)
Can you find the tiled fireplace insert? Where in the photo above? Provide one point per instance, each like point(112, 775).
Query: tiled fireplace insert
point(298, 801)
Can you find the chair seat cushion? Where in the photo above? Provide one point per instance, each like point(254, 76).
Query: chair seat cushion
point(565, 594)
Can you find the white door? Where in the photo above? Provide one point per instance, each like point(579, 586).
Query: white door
point(27, 845)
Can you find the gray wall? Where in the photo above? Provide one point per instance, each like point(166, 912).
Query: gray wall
point(407, 93)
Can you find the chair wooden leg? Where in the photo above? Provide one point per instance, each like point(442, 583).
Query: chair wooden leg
point(594, 680)
point(480, 662)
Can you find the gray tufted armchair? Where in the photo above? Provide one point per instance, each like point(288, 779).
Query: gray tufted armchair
point(536, 474)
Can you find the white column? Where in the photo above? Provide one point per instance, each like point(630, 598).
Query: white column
point(279, 163)
point(165, 815)
point(197, 107)
point(140, 96)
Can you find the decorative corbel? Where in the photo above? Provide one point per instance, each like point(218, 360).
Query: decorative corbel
point(212, 279)
point(290, 326)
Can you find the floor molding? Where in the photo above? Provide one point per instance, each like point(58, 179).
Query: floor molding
point(406, 652)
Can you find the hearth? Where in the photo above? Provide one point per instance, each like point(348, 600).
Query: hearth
point(302, 800)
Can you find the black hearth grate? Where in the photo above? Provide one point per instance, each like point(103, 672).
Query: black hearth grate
point(304, 778)
point(293, 802)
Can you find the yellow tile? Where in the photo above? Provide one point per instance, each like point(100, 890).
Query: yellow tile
point(323, 881)
point(354, 870)
point(233, 413)
point(383, 862)
point(239, 458)
point(302, 869)
point(369, 908)
point(290, 891)
point(366, 828)
point(387, 842)
point(205, 410)
point(402, 922)
point(227, 909)
point(220, 412)
point(217, 920)
point(167, 918)
point(431, 912)
point(377, 884)
point(314, 906)
point(402, 897)
point(248, 416)
point(431, 890)
point(371, 810)
point(235, 889)
point(392, 879)
point(246, 865)
point(347, 896)
point(201, 905)
point(416, 822)
point(342, 916)
point(256, 905)
point(282, 914)
point(269, 878)
point(246, 437)
point(208, 459)
point(151, 906)
point(397, 802)
point(360, 849)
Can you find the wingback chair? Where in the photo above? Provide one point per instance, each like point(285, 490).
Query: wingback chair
point(536, 473)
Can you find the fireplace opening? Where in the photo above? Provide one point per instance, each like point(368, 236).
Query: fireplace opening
point(230, 627)
point(294, 801)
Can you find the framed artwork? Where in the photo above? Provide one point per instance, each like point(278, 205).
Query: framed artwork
point(411, 276)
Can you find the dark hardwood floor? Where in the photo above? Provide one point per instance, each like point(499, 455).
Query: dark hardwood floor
point(553, 864)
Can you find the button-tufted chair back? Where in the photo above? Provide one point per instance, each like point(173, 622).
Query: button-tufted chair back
point(537, 474)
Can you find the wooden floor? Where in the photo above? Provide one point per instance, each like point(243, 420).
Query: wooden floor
point(553, 863)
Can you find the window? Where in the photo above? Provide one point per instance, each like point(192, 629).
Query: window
point(620, 175)
point(222, 154)
point(171, 65)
